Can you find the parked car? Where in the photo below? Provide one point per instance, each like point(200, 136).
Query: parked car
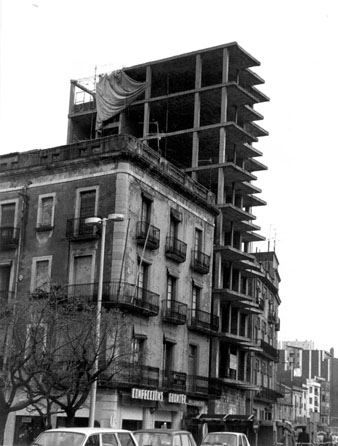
point(164, 437)
point(225, 438)
point(85, 436)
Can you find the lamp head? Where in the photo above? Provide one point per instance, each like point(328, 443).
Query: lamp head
point(116, 217)
point(93, 220)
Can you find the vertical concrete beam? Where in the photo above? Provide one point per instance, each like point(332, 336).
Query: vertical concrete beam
point(197, 113)
point(146, 111)
point(70, 111)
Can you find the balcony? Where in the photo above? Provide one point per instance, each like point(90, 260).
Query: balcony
point(200, 262)
point(269, 351)
point(270, 395)
point(9, 237)
point(239, 379)
point(147, 235)
point(172, 380)
point(272, 317)
point(198, 385)
point(77, 230)
point(174, 312)
point(131, 375)
point(126, 296)
point(175, 249)
point(203, 322)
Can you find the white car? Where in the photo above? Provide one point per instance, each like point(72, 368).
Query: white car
point(85, 436)
point(225, 438)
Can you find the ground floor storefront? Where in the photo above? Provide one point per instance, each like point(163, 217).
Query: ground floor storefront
point(131, 409)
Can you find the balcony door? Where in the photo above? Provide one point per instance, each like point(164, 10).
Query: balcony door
point(82, 283)
point(168, 359)
point(5, 272)
point(192, 360)
point(7, 219)
point(86, 207)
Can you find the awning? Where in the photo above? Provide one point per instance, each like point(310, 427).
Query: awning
point(205, 418)
point(140, 331)
point(235, 418)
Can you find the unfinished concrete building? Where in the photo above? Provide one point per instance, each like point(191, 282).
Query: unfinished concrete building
point(198, 111)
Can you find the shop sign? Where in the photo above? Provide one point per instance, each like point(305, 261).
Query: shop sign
point(144, 394)
point(177, 398)
point(155, 395)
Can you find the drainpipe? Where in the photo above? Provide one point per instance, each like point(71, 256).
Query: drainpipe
point(17, 262)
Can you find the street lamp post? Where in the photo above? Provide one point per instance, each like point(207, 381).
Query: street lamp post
point(103, 223)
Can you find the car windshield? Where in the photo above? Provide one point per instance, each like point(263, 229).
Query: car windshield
point(59, 438)
point(153, 439)
point(221, 439)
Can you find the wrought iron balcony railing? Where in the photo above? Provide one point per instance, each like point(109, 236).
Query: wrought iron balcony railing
point(123, 295)
point(129, 375)
point(9, 237)
point(203, 321)
point(270, 394)
point(77, 229)
point(174, 311)
point(198, 385)
point(147, 234)
point(174, 380)
point(175, 249)
point(200, 262)
point(270, 351)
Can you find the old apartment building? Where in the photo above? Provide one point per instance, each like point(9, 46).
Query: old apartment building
point(157, 263)
point(171, 145)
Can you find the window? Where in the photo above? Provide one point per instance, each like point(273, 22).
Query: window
point(86, 206)
point(93, 440)
point(8, 214)
point(198, 240)
point(192, 360)
point(41, 273)
point(175, 219)
point(146, 209)
point(5, 272)
point(142, 279)
point(171, 290)
point(45, 217)
point(168, 357)
point(8, 221)
point(195, 301)
point(109, 440)
point(81, 275)
point(137, 349)
point(82, 269)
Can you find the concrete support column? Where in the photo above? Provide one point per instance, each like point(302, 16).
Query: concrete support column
point(197, 113)
point(108, 413)
point(148, 421)
point(146, 111)
point(177, 420)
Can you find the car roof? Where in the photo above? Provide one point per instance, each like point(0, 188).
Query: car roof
point(161, 431)
point(88, 430)
point(222, 433)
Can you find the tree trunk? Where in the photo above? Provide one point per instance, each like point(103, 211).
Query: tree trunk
point(70, 420)
point(4, 412)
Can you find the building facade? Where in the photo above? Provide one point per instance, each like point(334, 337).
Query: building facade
point(315, 369)
point(188, 124)
point(266, 327)
point(198, 111)
point(157, 266)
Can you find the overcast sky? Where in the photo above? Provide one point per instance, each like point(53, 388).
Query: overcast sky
point(45, 43)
